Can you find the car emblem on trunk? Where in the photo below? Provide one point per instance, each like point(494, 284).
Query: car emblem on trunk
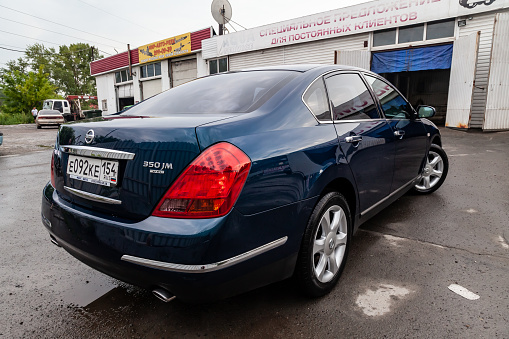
point(89, 137)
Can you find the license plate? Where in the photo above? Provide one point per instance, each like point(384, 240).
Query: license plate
point(97, 171)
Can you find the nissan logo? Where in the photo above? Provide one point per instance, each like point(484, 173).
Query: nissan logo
point(89, 137)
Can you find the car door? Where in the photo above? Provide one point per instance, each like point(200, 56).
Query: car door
point(364, 136)
point(408, 130)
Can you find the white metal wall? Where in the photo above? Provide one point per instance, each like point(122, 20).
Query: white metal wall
point(316, 52)
point(497, 103)
point(483, 23)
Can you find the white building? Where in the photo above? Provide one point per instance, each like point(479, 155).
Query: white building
point(450, 54)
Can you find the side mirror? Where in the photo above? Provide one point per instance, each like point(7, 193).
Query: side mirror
point(425, 111)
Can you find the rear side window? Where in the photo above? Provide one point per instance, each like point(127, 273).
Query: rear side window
point(393, 104)
point(350, 98)
point(315, 99)
point(240, 92)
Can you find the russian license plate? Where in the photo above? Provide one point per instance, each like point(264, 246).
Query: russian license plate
point(97, 171)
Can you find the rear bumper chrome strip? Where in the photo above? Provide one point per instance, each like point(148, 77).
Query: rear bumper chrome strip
point(206, 267)
point(97, 152)
point(93, 197)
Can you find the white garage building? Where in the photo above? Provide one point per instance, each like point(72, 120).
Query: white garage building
point(453, 55)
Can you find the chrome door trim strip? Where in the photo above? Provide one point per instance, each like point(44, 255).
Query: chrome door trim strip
point(390, 195)
point(166, 266)
point(98, 152)
point(93, 197)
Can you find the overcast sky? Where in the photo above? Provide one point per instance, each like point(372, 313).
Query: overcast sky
point(133, 22)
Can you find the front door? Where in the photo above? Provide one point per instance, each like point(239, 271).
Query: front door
point(366, 139)
point(409, 132)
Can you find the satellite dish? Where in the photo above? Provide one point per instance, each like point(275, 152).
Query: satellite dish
point(221, 11)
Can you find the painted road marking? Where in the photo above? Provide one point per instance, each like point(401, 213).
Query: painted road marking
point(462, 291)
point(503, 242)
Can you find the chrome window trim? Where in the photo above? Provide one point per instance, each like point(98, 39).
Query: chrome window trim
point(166, 266)
point(309, 108)
point(96, 152)
point(93, 197)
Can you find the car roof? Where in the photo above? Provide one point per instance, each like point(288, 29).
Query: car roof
point(303, 68)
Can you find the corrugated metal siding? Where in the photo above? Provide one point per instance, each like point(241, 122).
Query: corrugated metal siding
point(497, 103)
point(209, 49)
point(316, 52)
point(114, 62)
point(483, 23)
point(198, 36)
point(360, 59)
point(461, 83)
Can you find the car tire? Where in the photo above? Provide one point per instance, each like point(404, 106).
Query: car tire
point(325, 245)
point(434, 172)
point(38, 126)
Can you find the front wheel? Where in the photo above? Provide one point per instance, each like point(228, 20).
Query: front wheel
point(434, 171)
point(325, 245)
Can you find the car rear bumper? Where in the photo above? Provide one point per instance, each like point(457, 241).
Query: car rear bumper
point(204, 260)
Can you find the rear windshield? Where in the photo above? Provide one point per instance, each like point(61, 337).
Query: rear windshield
point(48, 112)
point(223, 93)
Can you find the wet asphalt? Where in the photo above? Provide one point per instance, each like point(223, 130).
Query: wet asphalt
point(395, 284)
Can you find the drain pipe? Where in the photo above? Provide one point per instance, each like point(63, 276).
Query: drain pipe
point(163, 295)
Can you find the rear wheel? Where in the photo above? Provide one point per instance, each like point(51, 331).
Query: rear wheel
point(38, 126)
point(434, 171)
point(325, 245)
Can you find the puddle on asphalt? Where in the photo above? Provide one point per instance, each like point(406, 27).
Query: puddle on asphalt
point(82, 293)
point(380, 301)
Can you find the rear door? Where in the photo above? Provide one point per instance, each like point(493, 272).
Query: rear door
point(365, 138)
point(409, 133)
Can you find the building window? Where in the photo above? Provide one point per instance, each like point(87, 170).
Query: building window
point(385, 37)
point(440, 29)
point(218, 65)
point(122, 76)
point(411, 33)
point(150, 70)
point(434, 30)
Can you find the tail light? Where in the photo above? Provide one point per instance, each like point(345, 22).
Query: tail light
point(209, 186)
point(53, 169)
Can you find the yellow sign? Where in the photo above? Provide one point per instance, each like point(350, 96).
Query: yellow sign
point(167, 48)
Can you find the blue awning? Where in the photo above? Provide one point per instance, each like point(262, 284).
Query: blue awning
point(414, 59)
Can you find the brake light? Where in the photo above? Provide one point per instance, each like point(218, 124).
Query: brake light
point(209, 186)
point(53, 169)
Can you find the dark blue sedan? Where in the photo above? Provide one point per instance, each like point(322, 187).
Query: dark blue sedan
point(237, 180)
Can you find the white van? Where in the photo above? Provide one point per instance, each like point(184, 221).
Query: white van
point(60, 105)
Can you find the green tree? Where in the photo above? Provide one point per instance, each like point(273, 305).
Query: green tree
point(22, 91)
point(71, 69)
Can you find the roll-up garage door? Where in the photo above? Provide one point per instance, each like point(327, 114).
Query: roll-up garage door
point(151, 88)
point(125, 91)
point(183, 71)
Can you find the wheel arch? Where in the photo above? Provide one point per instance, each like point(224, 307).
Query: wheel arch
point(346, 188)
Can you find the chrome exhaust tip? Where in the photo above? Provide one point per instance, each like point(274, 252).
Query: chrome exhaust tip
point(163, 295)
point(54, 241)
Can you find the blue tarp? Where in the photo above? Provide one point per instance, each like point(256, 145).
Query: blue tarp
point(414, 59)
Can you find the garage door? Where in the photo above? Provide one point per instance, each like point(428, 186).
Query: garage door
point(183, 71)
point(151, 88)
point(125, 91)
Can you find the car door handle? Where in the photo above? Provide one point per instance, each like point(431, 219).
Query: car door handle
point(399, 133)
point(353, 138)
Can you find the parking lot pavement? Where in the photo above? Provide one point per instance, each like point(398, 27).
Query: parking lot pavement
point(26, 138)
point(400, 279)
